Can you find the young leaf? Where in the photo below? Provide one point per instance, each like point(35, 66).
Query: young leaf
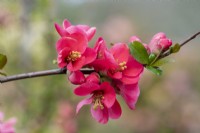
point(162, 62)
point(155, 70)
point(175, 48)
point(151, 58)
point(54, 62)
point(139, 52)
point(3, 61)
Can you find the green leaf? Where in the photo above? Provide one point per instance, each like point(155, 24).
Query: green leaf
point(139, 52)
point(162, 62)
point(152, 57)
point(3, 61)
point(175, 48)
point(2, 73)
point(155, 70)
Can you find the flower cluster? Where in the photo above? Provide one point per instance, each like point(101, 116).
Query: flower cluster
point(8, 126)
point(116, 71)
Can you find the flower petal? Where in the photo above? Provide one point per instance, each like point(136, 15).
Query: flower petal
point(100, 46)
point(130, 94)
point(62, 56)
point(130, 80)
point(82, 103)
point(99, 64)
point(60, 30)
point(76, 65)
point(66, 42)
point(90, 55)
point(111, 60)
point(86, 89)
point(66, 24)
point(80, 36)
point(83, 27)
point(100, 115)
point(115, 111)
point(90, 33)
point(61, 64)
point(109, 94)
point(93, 77)
point(115, 75)
point(120, 52)
point(77, 77)
point(134, 68)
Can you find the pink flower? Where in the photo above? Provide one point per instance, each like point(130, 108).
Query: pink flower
point(89, 31)
point(72, 50)
point(103, 99)
point(159, 43)
point(8, 126)
point(124, 67)
point(129, 92)
point(101, 62)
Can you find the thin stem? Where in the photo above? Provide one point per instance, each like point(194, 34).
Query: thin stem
point(181, 44)
point(189, 39)
point(38, 74)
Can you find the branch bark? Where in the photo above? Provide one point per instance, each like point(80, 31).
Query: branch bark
point(38, 74)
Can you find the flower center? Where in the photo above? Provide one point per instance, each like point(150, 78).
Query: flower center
point(97, 100)
point(73, 56)
point(122, 66)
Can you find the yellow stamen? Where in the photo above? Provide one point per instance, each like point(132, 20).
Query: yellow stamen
point(97, 100)
point(73, 56)
point(122, 66)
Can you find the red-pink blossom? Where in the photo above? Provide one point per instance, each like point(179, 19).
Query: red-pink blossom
point(72, 50)
point(103, 99)
point(159, 43)
point(8, 126)
point(102, 62)
point(63, 31)
point(124, 67)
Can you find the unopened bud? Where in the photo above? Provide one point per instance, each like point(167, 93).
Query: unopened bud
point(159, 43)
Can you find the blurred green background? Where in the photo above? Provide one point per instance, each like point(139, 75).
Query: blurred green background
point(167, 104)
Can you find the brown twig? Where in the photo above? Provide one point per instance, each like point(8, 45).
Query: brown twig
point(38, 74)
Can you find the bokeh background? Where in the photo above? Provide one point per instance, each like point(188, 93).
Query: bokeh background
point(167, 104)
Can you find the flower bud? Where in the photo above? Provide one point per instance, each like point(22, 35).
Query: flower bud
point(159, 43)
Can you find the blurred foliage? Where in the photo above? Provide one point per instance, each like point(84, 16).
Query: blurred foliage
point(168, 104)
